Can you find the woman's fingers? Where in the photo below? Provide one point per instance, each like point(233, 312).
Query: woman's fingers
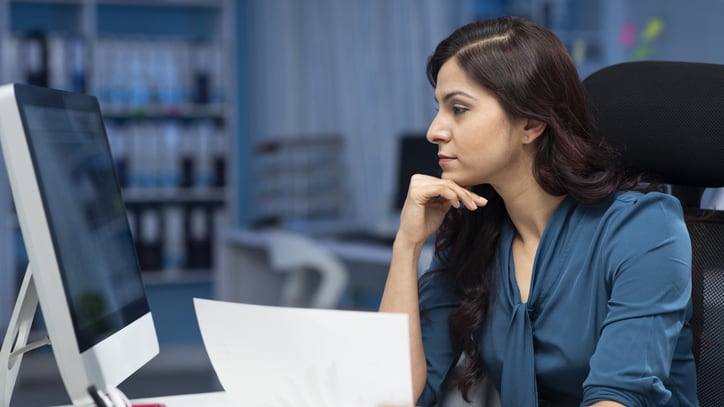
point(428, 200)
point(425, 189)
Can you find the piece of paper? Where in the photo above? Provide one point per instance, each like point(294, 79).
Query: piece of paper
point(267, 356)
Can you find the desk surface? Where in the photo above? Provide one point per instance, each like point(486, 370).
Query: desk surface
point(245, 275)
point(215, 399)
point(348, 250)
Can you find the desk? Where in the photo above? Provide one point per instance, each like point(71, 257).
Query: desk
point(215, 399)
point(244, 274)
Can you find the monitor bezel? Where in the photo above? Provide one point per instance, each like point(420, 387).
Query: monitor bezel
point(110, 361)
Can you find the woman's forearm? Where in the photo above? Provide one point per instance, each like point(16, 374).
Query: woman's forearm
point(400, 295)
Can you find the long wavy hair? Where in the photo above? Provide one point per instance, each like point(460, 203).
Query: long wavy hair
point(529, 71)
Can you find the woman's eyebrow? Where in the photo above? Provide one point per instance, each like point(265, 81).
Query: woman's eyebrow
point(456, 93)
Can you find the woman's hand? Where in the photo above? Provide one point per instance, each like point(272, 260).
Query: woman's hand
point(428, 200)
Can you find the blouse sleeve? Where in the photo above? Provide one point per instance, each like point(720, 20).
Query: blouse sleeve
point(649, 277)
point(437, 302)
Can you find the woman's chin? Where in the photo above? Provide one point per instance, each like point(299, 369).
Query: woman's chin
point(458, 180)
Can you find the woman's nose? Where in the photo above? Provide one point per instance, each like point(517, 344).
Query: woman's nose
point(437, 132)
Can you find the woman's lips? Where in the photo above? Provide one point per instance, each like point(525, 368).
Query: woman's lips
point(443, 159)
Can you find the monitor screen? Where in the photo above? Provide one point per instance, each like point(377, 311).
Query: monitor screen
point(415, 155)
point(86, 216)
point(82, 257)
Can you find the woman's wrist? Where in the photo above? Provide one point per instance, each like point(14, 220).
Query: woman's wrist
point(404, 242)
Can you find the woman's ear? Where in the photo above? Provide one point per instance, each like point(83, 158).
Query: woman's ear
point(532, 129)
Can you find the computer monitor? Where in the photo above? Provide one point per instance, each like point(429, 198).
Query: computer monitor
point(82, 261)
point(415, 155)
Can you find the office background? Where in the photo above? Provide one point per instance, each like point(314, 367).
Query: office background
point(204, 99)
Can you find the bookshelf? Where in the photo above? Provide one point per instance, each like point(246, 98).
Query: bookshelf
point(162, 71)
point(586, 28)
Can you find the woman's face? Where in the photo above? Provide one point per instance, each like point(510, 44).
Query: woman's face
point(477, 143)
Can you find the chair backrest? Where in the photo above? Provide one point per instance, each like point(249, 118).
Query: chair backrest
point(667, 119)
point(707, 239)
point(298, 255)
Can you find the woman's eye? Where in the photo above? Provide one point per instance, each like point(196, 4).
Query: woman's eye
point(459, 110)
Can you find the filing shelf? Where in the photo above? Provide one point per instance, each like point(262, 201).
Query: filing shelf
point(117, 37)
point(300, 182)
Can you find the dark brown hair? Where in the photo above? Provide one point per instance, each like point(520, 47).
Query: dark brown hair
point(529, 71)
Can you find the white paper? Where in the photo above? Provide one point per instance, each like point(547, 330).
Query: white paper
point(269, 356)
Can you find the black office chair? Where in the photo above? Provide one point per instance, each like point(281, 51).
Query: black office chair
point(667, 119)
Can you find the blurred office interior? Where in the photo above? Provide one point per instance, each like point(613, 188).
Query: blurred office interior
point(232, 118)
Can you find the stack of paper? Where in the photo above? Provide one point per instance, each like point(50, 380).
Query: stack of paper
point(279, 356)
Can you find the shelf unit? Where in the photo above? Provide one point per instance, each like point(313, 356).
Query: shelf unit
point(162, 71)
point(582, 26)
point(300, 183)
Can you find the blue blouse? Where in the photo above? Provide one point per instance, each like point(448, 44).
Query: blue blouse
point(607, 312)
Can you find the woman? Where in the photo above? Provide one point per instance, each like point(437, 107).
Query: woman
point(552, 277)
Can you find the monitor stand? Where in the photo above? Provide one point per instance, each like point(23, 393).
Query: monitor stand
point(16, 337)
point(15, 345)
